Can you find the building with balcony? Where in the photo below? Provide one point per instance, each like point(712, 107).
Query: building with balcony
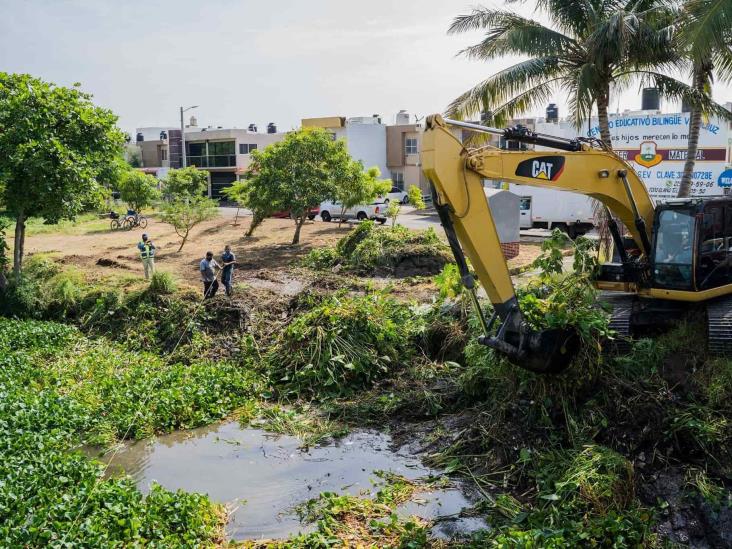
point(403, 146)
point(223, 153)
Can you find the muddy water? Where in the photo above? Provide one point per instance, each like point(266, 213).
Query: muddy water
point(262, 477)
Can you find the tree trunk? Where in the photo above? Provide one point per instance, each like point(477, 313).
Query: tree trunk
point(603, 120)
point(299, 222)
point(256, 222)
point(599, 211)
point(692, 145)
point(236, 218)
point(185, 237)
point(19, 244)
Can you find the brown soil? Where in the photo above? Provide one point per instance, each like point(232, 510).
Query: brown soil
point(264, 261)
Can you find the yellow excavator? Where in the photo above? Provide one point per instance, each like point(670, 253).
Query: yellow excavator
point(678, 254)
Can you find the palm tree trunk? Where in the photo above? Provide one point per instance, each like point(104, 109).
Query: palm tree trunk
point(19, 244)
point(695, 116)
point(599, 211)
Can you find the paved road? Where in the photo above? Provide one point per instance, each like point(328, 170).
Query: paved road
point(418, 219)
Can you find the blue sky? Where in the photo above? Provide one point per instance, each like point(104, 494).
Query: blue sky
point(246, 61)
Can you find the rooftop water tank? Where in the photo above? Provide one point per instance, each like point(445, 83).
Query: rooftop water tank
point(402, 118)
point(271, 128)
point(650, 99)
point(552, 113)
point(194, 122)
point(139, 137)
point(252, 128)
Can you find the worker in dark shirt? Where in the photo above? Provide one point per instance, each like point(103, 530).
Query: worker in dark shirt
point(227, 274)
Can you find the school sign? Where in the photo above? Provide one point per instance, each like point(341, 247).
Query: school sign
point(655, 145)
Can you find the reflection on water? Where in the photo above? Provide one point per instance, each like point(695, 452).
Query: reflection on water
point(262, 477)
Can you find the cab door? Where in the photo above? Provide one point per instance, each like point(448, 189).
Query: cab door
point(712, 249)
point(525, 220)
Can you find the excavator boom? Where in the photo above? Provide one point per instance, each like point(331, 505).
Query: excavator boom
point(456, 175)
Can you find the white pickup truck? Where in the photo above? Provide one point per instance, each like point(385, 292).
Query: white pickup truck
point(332, 210)
point(542, 208)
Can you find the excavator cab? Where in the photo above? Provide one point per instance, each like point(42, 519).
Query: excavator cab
point(673, 254)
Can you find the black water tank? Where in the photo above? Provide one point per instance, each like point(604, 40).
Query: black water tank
point(252, 128)
point(271, 128)
point(163, 135)
point(552, 113)
point(650, 100)
point(139, 137)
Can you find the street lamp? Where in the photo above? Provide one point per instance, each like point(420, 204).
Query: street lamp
point(183, 134)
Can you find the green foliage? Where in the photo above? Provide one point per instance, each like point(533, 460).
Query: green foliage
point(415, 197)
point(54, 143)
point(295, 174)
point(58, 387)
point(321, 258)
point(185, 182)
point(449, 282)
point(342, 344)
point(4, 261)
point(359, 187)
point(138, 189)
point(183, 214)
point(163, 283)
point(348, 244)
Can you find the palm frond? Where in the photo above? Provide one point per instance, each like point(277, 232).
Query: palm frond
point(674, 89)
point(504, 85)
point(707, 25)
point(509, 33)
point(537, 96)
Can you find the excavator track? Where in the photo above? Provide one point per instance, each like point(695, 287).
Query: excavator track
point(620, 321)
point(719, 326)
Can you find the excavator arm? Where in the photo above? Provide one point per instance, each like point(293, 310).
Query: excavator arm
point(456, 175)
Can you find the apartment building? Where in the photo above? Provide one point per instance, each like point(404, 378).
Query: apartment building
point(403, 146)
point(224, 153)
point(365, 137)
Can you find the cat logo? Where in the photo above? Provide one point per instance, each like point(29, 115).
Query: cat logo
point(548, 168)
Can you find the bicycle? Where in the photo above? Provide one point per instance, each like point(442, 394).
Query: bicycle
point(132, 221)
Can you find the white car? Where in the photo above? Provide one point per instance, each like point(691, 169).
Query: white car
point(395, 194)
point(332, 210)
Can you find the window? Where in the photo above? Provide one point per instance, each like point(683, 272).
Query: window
point(163, 154)
point(398, 180)
point(711, 269)
point(410, 146)
point(674, 245)
point(246, 148)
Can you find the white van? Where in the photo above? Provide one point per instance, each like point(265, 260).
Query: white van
point(332, 210)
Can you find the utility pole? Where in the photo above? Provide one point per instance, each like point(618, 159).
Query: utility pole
point(183, 135)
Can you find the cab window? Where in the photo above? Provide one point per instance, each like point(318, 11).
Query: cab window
point(711, 270)
point(674, 249)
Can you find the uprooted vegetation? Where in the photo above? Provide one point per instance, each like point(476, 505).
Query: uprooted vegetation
point(396, 251)
point(633, 449)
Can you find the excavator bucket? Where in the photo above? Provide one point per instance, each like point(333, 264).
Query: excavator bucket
point(542, 351)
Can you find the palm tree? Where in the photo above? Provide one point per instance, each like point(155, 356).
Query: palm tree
point(705, 37)
point(590, 48)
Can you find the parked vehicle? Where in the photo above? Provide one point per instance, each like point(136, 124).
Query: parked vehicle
point(314, 211)
point(552, 209)
point(395, 194)
point(332, 210)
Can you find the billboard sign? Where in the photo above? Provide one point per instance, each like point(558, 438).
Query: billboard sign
point(655, 145)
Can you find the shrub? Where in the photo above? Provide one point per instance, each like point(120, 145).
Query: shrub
point(343, 344)
point(321, 258)
point(163, 283)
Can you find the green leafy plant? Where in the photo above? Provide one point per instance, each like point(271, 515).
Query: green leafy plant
point(184, 182)
point(185, 213)
point(342, 344)
point(138, 189)
point(163, 283)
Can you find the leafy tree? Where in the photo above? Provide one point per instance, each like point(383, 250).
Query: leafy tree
point(705, 40)
point(244, 194)
point(54, 142)
point(359, 187)
point(184, 213)
point(185, 182)
point(138, 189)
point(298, 173)
point(395, 207)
